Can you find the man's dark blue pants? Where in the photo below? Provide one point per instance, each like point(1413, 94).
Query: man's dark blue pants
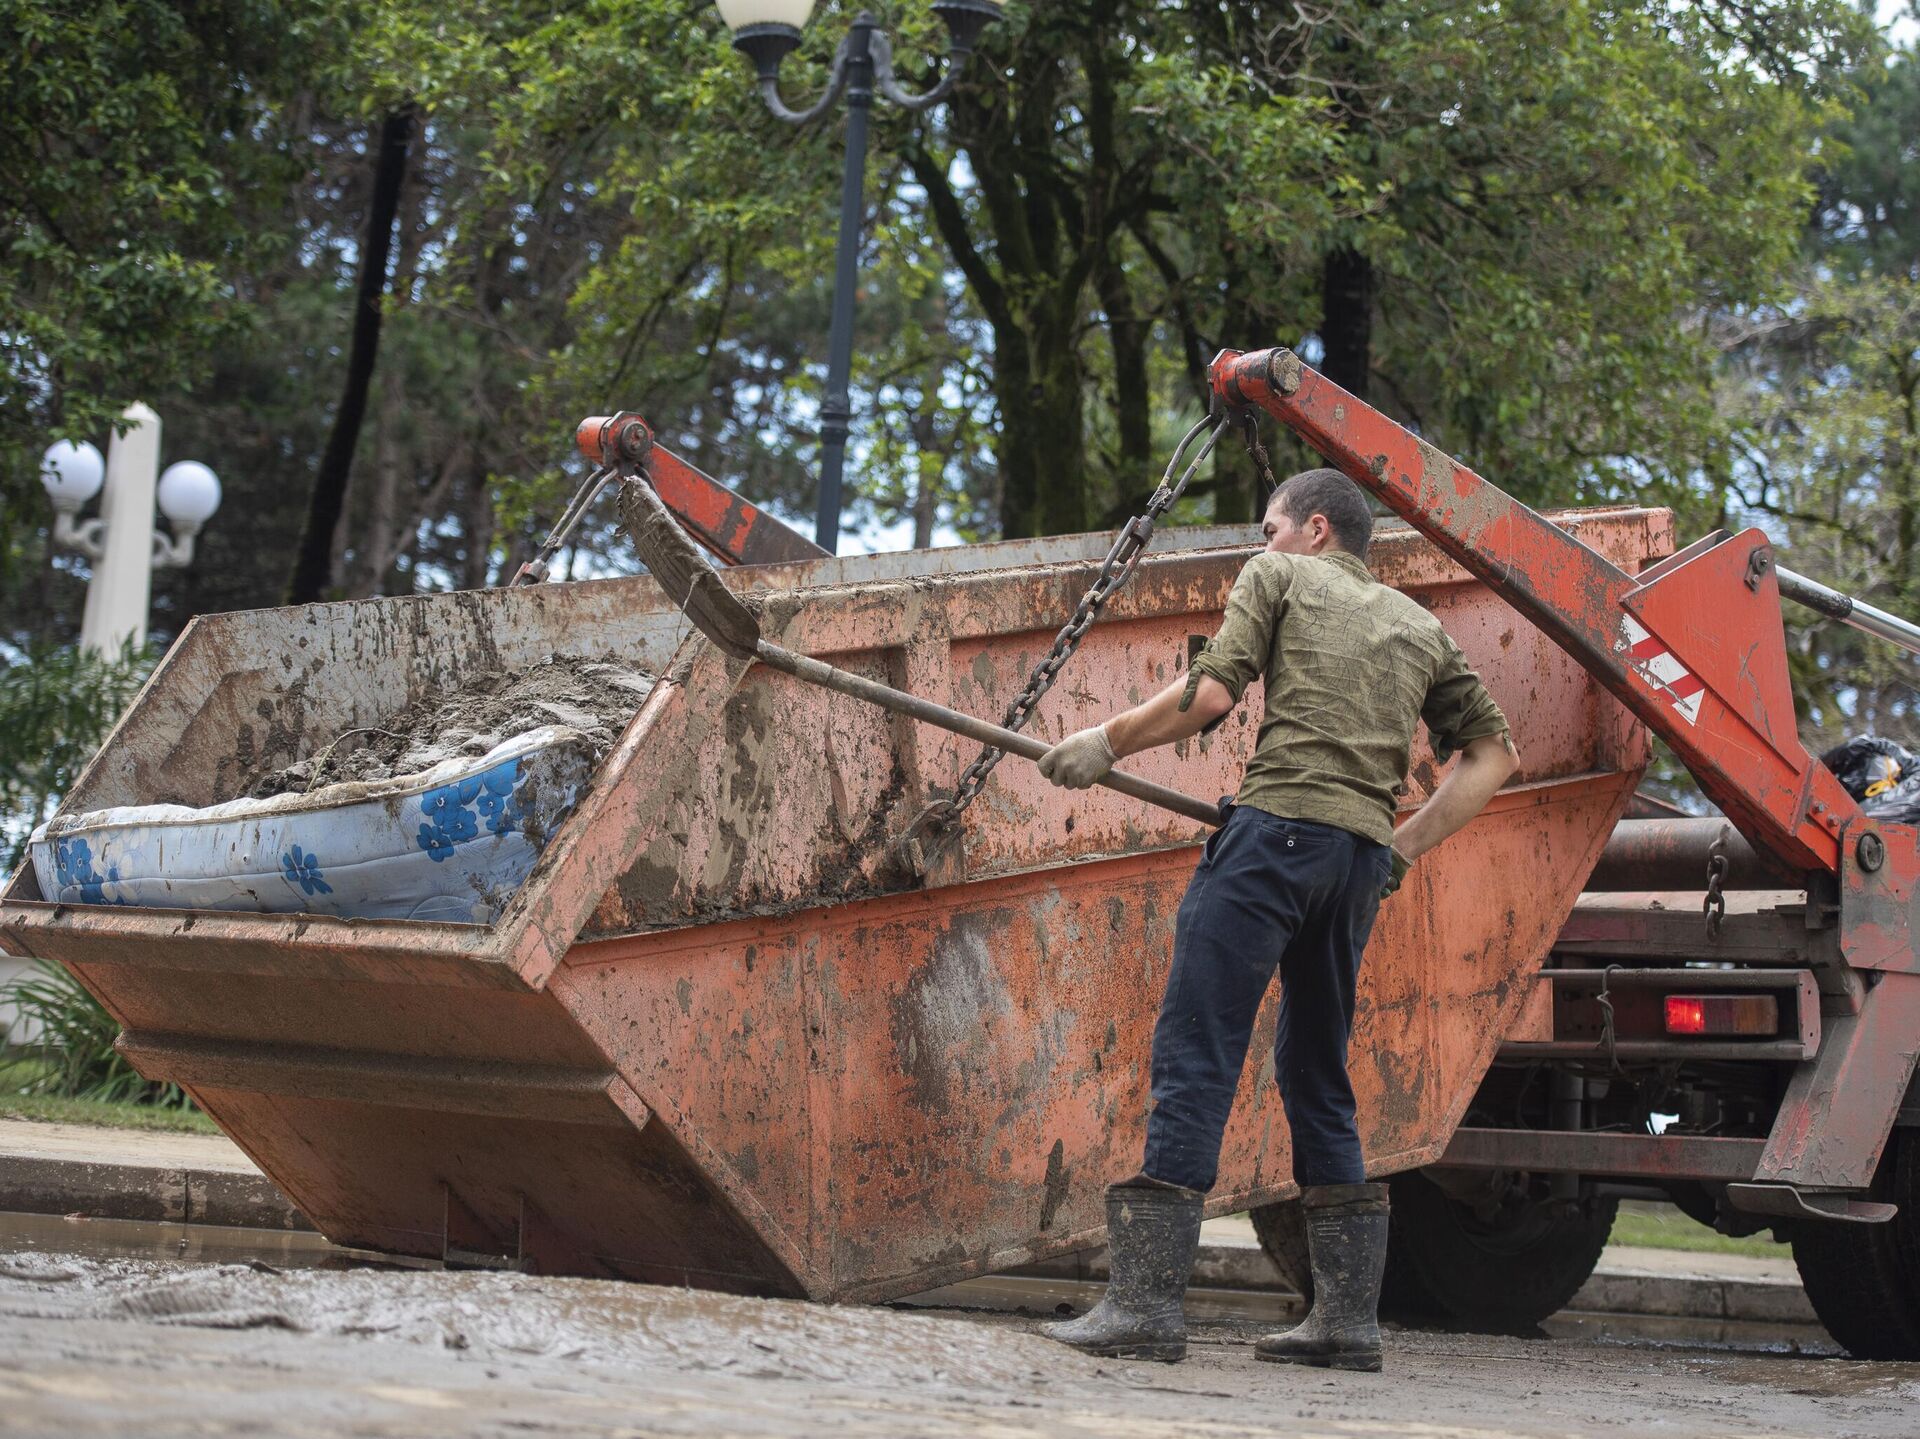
point(1269, 892)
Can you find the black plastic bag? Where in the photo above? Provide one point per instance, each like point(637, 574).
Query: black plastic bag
point(1882, 775)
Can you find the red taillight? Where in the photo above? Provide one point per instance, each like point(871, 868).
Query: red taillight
point(1686, 1016)
point(1739, 1014)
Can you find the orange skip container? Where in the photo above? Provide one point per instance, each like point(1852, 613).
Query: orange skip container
point(727, 1035)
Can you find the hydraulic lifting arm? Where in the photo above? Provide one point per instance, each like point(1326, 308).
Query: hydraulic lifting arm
point(738, 533)
point(1696, 649)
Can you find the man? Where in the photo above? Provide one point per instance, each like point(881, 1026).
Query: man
point(1293, 879)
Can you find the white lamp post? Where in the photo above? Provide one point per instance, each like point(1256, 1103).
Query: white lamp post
point(122, 542)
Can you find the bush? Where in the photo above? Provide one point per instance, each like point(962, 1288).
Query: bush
point(56, 706)
point(76, 1043)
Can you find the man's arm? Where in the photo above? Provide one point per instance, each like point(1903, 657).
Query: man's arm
point(1160, 720)
point(1485, 764)
point(1213, 685)
point(1082, 759)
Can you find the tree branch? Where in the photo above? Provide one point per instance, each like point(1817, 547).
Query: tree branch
point(951, 221)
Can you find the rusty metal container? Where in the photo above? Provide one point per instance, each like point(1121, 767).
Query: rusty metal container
point(724, 1036)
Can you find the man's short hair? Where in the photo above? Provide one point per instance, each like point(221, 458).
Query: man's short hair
point(1329, 493)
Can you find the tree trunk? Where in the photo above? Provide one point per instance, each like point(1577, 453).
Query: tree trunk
point(1242, 493)
point(1346, 319)
point(1129, 335)
point(1901, 483)
point(313, 562)
point(929, 455)
point(478, 524)
point(376, 546)
point(1042, 448)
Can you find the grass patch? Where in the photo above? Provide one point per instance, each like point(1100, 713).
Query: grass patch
point(1660, 1226)
point(23, 1078)
point(104, 1113)
point(21, 1071)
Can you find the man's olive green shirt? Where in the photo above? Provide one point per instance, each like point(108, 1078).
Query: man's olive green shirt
point(1350, 665)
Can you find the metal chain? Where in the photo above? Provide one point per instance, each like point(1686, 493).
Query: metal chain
point(1715, 904)
point(1121, 561)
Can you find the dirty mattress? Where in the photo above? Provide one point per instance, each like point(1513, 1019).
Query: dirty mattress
point(449, 843)
point(438, 811)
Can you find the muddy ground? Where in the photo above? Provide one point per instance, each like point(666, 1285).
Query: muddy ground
point(596, 697)
point(96, 1346)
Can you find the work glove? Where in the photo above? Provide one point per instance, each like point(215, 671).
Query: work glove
point(1079, 760)
point(1401, 864)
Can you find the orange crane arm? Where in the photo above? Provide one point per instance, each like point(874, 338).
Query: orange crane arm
point(1694, 646)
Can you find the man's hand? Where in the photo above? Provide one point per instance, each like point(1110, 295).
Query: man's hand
point(1401, 864)
point(1079, 760)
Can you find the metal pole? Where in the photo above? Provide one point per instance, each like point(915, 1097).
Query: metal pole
point(819, 672)
point(1849, 611)
point(837, 409)
point(1668, 854)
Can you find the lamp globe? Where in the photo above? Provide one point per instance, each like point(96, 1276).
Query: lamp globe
point(72, 474)
point(189, 494)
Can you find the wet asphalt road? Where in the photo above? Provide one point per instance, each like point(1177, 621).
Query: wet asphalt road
point(102, 1343)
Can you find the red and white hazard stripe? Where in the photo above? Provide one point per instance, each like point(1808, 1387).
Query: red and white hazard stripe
point(1654, 662)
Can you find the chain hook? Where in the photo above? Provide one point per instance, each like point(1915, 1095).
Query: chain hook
point(1263, 463)
point(1608, 1037)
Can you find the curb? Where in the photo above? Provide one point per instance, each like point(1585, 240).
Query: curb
point(1627, 1291)
point(36, 1185)
point(1609, 1291)
point(245, 1199)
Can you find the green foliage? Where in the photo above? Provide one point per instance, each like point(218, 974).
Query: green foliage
point(1832, 459)
point(56, 706)
point(1559, 205)
point(136, 153)
point(1567, 202)
point(75, 1037)
point(1820, 396)
point(1552, 198)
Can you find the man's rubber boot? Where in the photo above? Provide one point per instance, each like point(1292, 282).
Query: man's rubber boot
point(1153, 1234)
point(1347, 1246)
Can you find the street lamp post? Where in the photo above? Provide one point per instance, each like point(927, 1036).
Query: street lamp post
point(766, 32)
point(122, 541)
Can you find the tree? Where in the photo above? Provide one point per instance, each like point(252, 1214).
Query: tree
point(313, 561)
point(137, 155)
point(1823, 396)
point(56, 706)
point(1509, 221)
point(1517, 225)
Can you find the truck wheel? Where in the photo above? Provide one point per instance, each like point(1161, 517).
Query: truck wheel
point(1497, 1266)
point(1864, 1279)
point(1503, 1274)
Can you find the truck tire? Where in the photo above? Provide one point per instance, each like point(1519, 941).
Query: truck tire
point(1445, 1266)
point(1863, 1280)
point(1499, 1275)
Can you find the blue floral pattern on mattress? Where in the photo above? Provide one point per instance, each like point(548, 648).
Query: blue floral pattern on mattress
point(452, 843)
point(73, 863)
